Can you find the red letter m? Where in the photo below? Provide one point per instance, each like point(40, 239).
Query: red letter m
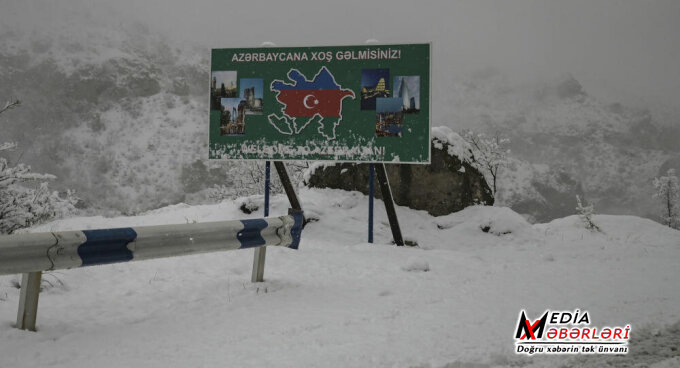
point(531, 330)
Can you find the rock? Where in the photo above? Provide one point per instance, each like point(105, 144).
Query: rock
point(569, 87)
point(553, 196)
point(446, 185)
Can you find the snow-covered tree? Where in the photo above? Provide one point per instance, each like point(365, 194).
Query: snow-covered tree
point(23, 205)
point(585, 213)
point(668, 193)
point(490, 154)
point(247, 178)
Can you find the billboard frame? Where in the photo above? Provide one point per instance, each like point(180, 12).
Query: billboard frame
point(355, 161)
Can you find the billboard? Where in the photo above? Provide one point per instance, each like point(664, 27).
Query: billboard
point(368, 103)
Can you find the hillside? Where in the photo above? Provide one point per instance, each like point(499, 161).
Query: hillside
point(116, 114)
point(119, 114)
point(340, 302)
point(566, 142)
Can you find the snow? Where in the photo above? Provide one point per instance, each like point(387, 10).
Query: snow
point(457, 146)
point(667, 363)
point(416, 265)
point(313, 166)
point(492, 220)
point(341, 302)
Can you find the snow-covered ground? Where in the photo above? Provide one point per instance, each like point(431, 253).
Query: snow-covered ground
point(340, 302)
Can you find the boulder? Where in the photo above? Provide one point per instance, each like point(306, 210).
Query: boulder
point(569, 87)
point(448, 184)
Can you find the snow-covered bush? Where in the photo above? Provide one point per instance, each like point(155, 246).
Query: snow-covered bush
point(668, 193)
point(585, 213)
point(219, 193)
point(22, 204)
point(247, 178)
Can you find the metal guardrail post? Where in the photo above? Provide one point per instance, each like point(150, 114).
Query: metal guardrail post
point(258, 264)
point(28, 300)
point(260, 254)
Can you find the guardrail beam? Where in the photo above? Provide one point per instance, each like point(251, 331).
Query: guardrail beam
point(31, 254)
point(20, 253)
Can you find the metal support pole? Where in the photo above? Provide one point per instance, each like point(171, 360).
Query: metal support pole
point(267, 181)
point(381, 173)
point(371, 192)
point(28, 300)
point(261, 252)
point(287, 185)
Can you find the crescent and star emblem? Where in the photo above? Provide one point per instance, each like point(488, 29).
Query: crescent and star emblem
point(314, 102)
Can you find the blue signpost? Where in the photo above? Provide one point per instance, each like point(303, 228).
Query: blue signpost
point(371, 189)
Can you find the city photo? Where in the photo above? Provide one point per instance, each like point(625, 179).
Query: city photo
point(407, 88)
point(232, 116)
point(389, 117)
point(375, 83)
point(222, 85)
point(251, 93)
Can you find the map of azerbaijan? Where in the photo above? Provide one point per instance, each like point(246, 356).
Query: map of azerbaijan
point(309, 101)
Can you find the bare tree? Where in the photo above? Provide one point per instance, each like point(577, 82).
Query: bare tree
point(490, 154)
point(585, 213)
point(247, 178)
point(668, 193)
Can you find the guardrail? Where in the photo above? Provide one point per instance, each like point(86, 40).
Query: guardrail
point(32, 253)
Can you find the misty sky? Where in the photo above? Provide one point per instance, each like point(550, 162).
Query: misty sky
point(617, 49)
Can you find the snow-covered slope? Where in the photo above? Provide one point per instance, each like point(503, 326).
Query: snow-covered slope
point(341, 302)
point(119, 113)
point(566, 142)
point(115, 111)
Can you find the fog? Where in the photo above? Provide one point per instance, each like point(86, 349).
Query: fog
point(626, 51)
point(110, 69)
